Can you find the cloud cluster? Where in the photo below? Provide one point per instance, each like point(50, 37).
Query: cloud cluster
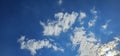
point(62, 24)
point(32, 45)
point(90, 46)
point(87, 41)
point(87, 46)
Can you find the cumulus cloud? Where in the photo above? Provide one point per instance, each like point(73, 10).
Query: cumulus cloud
point(62, 24)
point(32, 45)
point(90, 46)
point(109, 48)
point(87, 46)
point(106, 24)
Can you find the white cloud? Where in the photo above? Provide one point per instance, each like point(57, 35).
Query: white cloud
point(81, 17)
point(112, 53)
point(62, 24)
point(82, 37)
point(93, 21)
point(106, 24)
point(51, 29)
point(32, 45)
point(60, 2)
point(79, 35)
point(87, 46)
point(108, 48)
point(94, 11)
point(90, 46)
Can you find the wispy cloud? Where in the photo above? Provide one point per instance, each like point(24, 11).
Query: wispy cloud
point(94, 11)
point(81, 17)
point(106, 24)
point(60, 2)
point(109, 48)
point(93, 21)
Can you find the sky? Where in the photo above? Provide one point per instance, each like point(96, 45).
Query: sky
point(59, 27)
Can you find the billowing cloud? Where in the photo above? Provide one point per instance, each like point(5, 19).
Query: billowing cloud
point(94, 11)
point(62, 24)
point(91, 22)
point(32, 45)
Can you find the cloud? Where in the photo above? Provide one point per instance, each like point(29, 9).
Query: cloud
point(93, 21)
point(109, 48)
point(32, 45)
point(81, 37)
point(87, 46)
point(60, 2)
point(90, 46)
point(94, 11)
point(62, 24)
point(106, 24)
point(81, 17)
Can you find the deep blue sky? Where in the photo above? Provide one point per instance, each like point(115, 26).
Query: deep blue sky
point(22, 17)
